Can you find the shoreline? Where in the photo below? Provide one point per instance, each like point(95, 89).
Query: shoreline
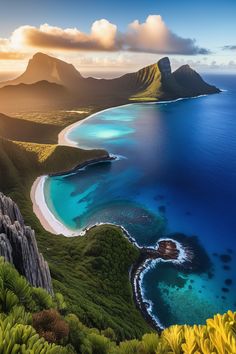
point(40, 208)
point(150, 257)
point(63, 135)
point(42, 211)
point(138, 270)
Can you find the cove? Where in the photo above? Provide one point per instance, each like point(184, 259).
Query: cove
point(175, 173)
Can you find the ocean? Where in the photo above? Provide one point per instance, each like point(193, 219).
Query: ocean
point(175, 175)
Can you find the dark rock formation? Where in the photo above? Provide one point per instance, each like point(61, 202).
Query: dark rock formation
point(18, 246)
point(184, 82)
point(165, 250)
point(164, 67)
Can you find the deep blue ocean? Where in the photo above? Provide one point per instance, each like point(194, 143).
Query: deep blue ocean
point(176, 174)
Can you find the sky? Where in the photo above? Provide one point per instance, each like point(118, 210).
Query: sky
point(107, 38)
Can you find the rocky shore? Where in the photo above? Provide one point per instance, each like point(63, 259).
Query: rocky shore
point(166, 250)
point(104, 158)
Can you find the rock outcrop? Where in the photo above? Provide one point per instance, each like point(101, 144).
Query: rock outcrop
point(18, 246)
point(164, 67)
point(165, 250)
point(184, 82)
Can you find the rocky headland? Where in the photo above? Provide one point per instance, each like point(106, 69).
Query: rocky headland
point(18, 246)
point(166, 250)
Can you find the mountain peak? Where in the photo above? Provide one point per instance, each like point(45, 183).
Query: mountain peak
point(164, 66)
point(43, 67)
point(42, 57)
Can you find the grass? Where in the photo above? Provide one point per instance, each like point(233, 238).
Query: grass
point(90, 271)
point(150, 77)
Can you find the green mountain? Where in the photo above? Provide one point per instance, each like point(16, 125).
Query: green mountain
point(51, 83)
point(44, 67)
point(26, 130)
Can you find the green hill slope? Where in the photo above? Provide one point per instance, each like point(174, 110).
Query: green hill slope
point(148, 84)
point(87, 270)
point(25, 130)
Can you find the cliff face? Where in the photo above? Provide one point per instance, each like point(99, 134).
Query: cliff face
point(193, 82)
point(165, 67)
point(18, 246)
point(184, 82)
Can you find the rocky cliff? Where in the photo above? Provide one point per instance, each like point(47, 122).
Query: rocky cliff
point(184, 82)
point(18, 246)
point(49, 83)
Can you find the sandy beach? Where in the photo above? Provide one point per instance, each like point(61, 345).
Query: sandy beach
point(41, 210)
point(63, 135)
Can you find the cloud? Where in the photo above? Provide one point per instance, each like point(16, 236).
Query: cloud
point(229, 47)
point(4, 42)
point(204, 65)
point(102, 37)
point(152, 36)
point(12, 56)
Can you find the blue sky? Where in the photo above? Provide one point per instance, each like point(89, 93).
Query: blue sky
point(211, 22)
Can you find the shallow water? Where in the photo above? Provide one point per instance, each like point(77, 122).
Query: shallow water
point(177, 170)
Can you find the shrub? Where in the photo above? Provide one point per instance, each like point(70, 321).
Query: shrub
point(14, 289)
point(19, 338)
point(42, 299)
point(99, 343)
point(60, 303)
point(50, 325)
point(109, 333)
point(77, 335)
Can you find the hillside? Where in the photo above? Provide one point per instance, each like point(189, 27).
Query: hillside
point(148, 81)
point(37, 96)
point(100, 298)
point(25, 130)
point(91, 272)
point(21, 162)
point(50, 83)
point(184, 82)
point(44, 67)
point(32, 321)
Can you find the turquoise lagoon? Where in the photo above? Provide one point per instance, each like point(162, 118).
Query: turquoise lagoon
point(175, 173)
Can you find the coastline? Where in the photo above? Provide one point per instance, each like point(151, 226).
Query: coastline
point(41, 210)
point(149, 258)
point(63, 135)
point(53, 225)
point(47, 219)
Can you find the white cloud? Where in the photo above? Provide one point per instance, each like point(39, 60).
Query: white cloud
point(152, 36)
point(102, 37)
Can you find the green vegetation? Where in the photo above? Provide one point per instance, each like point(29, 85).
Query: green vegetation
point(91, 272)
point(41, 127)
point(149, 80)
point(20, 129)
point(60, 118)
point(29, 325)
point(22, 162)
